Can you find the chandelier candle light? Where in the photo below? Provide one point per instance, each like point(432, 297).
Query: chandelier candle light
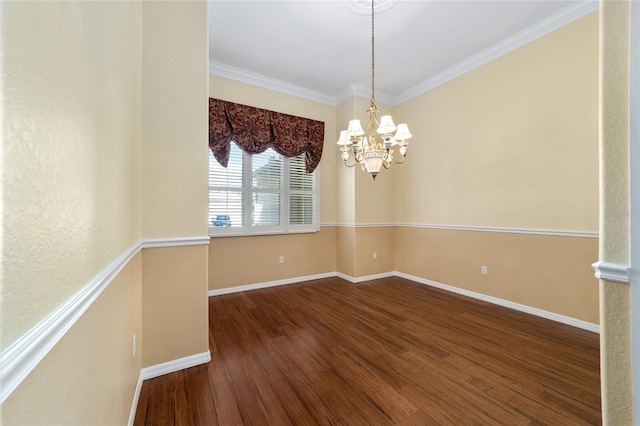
point(370, 152)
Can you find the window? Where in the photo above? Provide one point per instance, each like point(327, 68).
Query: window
point(261, 193)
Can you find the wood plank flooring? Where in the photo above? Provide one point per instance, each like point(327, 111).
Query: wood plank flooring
point(389, 351)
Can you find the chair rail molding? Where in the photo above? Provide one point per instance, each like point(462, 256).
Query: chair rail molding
point(612, 272)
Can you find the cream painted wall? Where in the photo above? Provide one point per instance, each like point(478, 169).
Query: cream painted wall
point(175, 309)
point(346, 250)
point(235, 261)
point(512, 143)
point(242, 93)
point(550, 273)
point(90, 376)
point(70, 175)
point(175, 197)
point(378, 239)
point(76, 104)
point(615, 336)
point(175, 119)
point(345, 176)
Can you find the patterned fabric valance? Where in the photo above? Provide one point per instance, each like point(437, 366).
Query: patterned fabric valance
point(255, 130)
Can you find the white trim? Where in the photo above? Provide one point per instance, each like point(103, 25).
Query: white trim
point(612, 272)
point(328, 224)
point(175, 242)
point(506, 303)
point(161, 369)
point(134, 403)
point(363, 91)
point(356, 280)
point(530, 231)
point(363, 225)
point(233, 73)
point(175, 365)
point(249, 287)
point(574, 11)
point(22, 356)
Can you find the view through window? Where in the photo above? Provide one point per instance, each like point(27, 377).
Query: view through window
point(261, 193)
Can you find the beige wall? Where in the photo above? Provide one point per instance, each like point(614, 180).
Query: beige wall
point(175, 310)
point(512, 143)
point(235, 261)
point(175, 127)
point(551, 273)
point(71, 188)
point(615, 337)
point(345, 188)
point(91, 102)
point(69, 176)
point(378, 239)
point(90, 376)
point(175, 119)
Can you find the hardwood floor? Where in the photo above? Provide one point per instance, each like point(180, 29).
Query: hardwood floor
point(389, 351)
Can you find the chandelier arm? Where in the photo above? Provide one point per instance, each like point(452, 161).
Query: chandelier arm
point(352, 165)
point(399, 162)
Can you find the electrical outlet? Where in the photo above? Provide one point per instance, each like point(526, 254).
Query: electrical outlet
point(133, 346)
point(281, 260)
point(375, 255)
point(483, 271)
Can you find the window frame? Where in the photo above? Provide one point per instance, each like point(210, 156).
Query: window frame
point(247, 192)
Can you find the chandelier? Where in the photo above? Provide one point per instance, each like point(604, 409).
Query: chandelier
point(371, 152)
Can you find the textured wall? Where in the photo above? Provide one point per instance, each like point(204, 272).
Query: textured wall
point(90, 376)
point(614, 208)
point(71, 191)
point(71, 180)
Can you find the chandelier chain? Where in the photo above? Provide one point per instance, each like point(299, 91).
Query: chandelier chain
point(373, 79)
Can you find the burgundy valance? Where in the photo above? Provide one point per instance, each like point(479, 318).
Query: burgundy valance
point(255, 130)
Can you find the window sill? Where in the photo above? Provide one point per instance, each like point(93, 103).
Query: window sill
point(261, 233)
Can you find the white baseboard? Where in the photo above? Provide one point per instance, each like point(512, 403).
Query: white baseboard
point(506, 303)
point(165, 368)
point(497, 301)
point(257, 286)
point(175, 365)
point(356, 280)
point(134, 403)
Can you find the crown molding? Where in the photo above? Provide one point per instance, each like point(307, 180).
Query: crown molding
point(363, 91)
point(233, 73)
point(574, 11)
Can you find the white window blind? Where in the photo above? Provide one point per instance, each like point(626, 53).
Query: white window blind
point(261, 193)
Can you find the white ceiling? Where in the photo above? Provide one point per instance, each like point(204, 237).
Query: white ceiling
point(323, 49)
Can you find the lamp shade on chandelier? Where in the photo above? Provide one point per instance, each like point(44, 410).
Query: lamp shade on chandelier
point(374, 147)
